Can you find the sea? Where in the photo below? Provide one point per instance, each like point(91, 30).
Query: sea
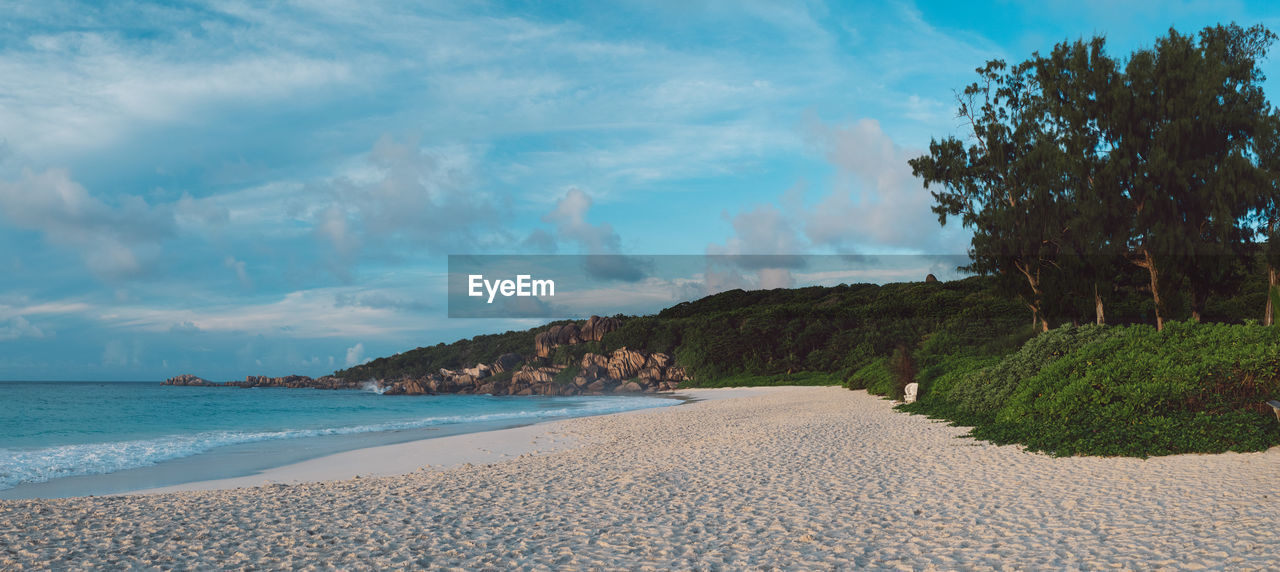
point(60, 439)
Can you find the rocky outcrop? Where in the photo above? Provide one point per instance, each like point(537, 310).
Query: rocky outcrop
point(624, 370)
point(593, 330)
point(187, 379)
point(629, 371)
point(560, 335)
point(291, 381)
point(296, 381)
point(507, 362)
point(596, 327)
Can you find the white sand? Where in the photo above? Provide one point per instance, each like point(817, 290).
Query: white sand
point(795, 477)
point(428, 454)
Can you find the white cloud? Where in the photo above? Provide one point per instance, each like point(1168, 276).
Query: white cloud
point(874, 205)
point(570, 220)
point(355, 355)
point(185, 327)
point(763, 230)
point(309, 314)
point(85, 89)
point(242, 273)
point(22, 307)
point(762, 239)
point(875, 202)
point(403, 196)
point(19, 327)
point(114, 240)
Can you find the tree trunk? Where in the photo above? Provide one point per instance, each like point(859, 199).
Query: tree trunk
point(1269, 318)
point(1097, 306)
point(1150, 264)
point(1155, 292)
point(1033, 279)
point(1037, 322)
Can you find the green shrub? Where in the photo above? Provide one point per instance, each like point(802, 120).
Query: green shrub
point(1126, 390)
point(986, 390)
point(875, 377)
point(937, 380)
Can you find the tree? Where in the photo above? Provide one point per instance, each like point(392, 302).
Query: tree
point(1078, 164)
point(1186, 129)
point(1267, 212)
point(1007, 186)
point(1080, 83)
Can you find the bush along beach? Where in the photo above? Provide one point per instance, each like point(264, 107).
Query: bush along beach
point(1122, 390)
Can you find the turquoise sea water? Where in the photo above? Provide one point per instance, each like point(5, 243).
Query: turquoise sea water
point(65, 433)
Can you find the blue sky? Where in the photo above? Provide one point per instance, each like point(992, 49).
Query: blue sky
point(234, 188)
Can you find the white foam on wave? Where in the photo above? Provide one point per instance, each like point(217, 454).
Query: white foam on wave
point(18, 466)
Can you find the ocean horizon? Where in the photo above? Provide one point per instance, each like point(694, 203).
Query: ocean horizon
point(77, 438)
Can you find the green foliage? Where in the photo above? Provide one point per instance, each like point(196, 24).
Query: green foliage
point(937, 380)
point(430, 359)
point(571, 355)
point(988, 390)
point(1127, 390)
point(567, 374)
point(874, 377)
point(838, 329)
point(1083, 170)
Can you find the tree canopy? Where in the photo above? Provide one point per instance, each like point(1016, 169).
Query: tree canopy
point(1081, 167)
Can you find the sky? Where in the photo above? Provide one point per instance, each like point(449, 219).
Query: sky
point(236, 188)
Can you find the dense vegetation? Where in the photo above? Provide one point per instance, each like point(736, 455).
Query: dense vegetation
point(815, 335)
point(462, 353)
point(837, 330)
point(1120, 390)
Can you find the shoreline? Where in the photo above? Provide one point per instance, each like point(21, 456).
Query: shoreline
point(251, 461)
point(788, 477)
point(430, 454)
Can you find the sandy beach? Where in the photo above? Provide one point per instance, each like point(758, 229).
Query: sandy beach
point(744, 479)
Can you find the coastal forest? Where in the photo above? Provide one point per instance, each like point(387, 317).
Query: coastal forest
point(1125, 220)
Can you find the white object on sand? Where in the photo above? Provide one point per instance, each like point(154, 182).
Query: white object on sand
point(909, 392)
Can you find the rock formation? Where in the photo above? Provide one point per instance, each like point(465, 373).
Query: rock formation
point(296, 381)
point(568, 334)
point(596, 327)
point(291, 381)
point(187, 379)
point(507, 362)
point(623, 371)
